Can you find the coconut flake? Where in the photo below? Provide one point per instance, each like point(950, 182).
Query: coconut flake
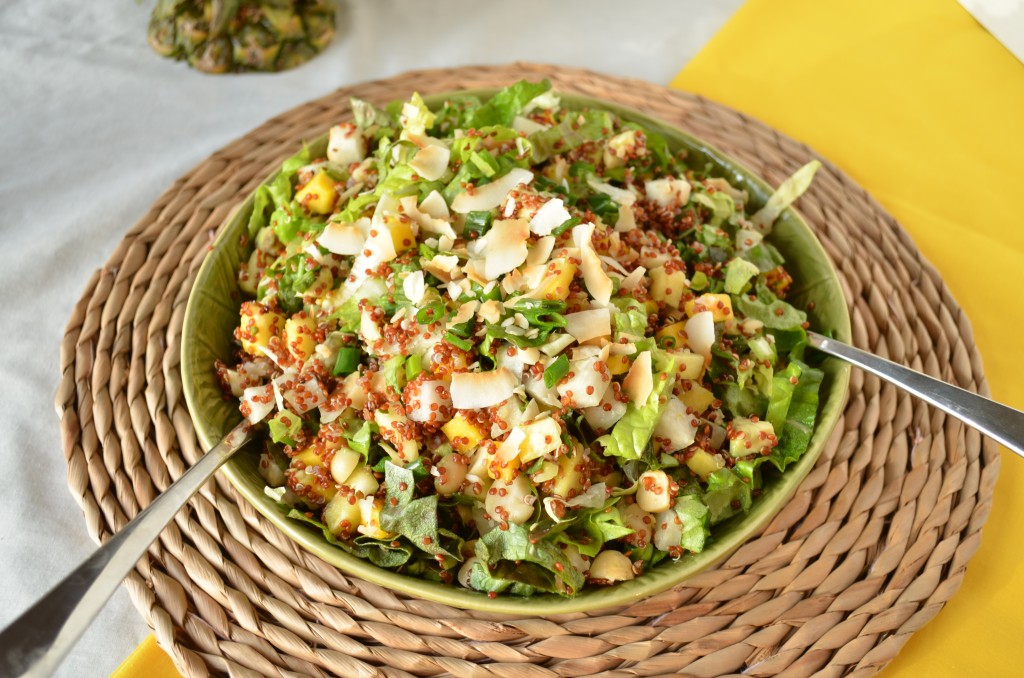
point(634, 279)
point(505, 247)
point(435, 206)
point(591, 324)
point(700, 333)
point(551, 215)
point(490, 311)
point(345, 239)
point(475, 390)
point(464, 313)
point(509, 449)
point(597, 281)
point(540, 252)
point(620, 195)
point(491, 195)
point(442, 266)
point(414, 287)
point(428, 223)
point(676, 427)
point(431, 161)
point(639, 383)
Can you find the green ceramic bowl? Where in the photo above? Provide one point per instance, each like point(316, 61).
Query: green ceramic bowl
point(212, 314)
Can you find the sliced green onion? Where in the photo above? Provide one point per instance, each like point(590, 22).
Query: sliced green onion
point(566, 225)
point(413, 366)
point(477, 224)
point(556, 371)
point(458, 341)
point(348, 360)
point(430, 313)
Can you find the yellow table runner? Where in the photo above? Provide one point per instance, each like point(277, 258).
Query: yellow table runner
point(925, 110)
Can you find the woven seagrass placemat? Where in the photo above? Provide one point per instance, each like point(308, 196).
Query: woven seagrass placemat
point(874, 543)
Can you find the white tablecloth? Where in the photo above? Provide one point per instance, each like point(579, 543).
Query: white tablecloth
point(95, 126)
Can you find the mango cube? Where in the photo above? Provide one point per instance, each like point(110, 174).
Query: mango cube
point(720, 306)
point(258, 326)
point(319, 195)
point(463, 434)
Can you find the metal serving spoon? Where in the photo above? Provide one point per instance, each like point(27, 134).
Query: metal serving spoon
point(36, 642)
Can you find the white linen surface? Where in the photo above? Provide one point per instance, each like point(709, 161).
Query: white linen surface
point(95, 126)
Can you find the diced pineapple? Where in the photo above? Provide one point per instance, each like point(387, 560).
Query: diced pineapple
point(369, 523)
point(720, 306)
point(503, 470)
point(318, 196)
point(671, 336)
point(704, 463)
point(507, 500)
point(542, 437)
point(750, 438)
point(572, 471)
point(395, 428)
point(362, 481)
point(697, 398)
point(342, 515)
point(463, 434)
point(688, 365)
point(668, 287)
point(258, 326)
point(555, 284)
point(299, 331)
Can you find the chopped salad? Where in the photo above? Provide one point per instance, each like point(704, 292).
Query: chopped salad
point(514, 345)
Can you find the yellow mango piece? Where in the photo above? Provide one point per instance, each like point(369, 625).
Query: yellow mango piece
point(401, 235)
point(257, 326)
point(618, 364)
point(505, 471)
point(299, 331)
point(697, 398)
point(704, 464)
point(555, 284)
point(671, 336)
point(319, 195)
point(462, 433)
point(720, 306)
point(668, 288)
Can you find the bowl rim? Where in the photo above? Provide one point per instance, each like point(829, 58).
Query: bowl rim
point(650, 583)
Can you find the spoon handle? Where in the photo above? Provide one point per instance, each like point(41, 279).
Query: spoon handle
point(35, 643)
point(1003, 424)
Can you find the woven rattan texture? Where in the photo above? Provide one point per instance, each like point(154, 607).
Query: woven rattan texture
point(868, 551)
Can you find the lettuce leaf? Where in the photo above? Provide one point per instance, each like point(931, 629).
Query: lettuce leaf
point(727, 495)
point(507, 104)
point(769, 309)
point(414, 519)
point(507, 553)
point(693, 513)
point(784, 196)
point(390, 554)
point(631, 434)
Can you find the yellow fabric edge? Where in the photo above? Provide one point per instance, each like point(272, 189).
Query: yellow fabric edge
point(809, 52)
point(147, 661)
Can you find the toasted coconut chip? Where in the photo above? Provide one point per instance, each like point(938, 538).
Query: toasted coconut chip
point(619, 195)
point(509, 449)
point(613, 263)
point(260, 400)
point(367, 327)
point(616, 348)
point(700, 333)
point(594, 277)
point(457, 288)
point(414, 286)
point(475, 390)
point(490, 311)
point(475, 271)
point(344, 239)
point(465, 312)
point(533, 276)
point(428, 223)
point(491, 195)
point(639, 383)
point(626, 221)
point(550, 215)
point(668, 192)
point(506, 247)
point(376, 250)
point(420, 406)
point(442, 266)
point(585, 325)
point(540, 252)
point(431, 162)
point(634, 279)
point(435, 206)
